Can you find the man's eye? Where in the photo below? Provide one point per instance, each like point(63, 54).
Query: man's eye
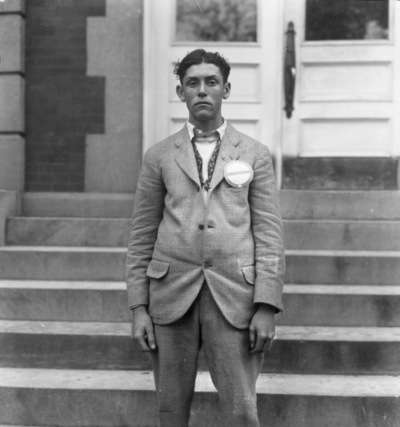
point(212, 82)
point(192, 84)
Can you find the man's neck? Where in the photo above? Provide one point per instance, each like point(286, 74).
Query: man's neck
point(207, 126)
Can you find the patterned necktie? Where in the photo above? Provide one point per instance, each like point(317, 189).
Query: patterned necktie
point(206, 137)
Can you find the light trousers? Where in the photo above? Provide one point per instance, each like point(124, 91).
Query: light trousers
point(233, 369)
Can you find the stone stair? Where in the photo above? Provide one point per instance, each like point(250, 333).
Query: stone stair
point(66, 358)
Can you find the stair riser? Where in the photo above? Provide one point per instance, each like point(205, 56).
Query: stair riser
point(304, 269)
point(340, 310)
point(88, 408)
point(41, 265)
point(118, 352)
point(68, 232)
point(301, 269)
point(354, 205)
point(376, 236)
point(79, 205)
point(115, 232)
point(64, 305)
point(111, 306)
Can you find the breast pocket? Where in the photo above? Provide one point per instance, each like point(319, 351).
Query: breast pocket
point(157, 269)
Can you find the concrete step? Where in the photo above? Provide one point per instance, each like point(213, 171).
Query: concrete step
point(341, 305)
point(79, 301)
point(62, 263)
point(114, 232)
point(80, 205)
point(354, 205)
point(296, 349)
point(344, 267)
point(85, 398)
point(295, 204)
point(90, 263)
point(342, 235)
point(305, 305)
point(34, 231)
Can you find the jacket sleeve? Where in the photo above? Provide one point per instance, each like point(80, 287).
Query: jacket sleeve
point(267, 233)
point(146, 218)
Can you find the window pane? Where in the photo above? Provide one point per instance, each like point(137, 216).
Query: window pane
point(216, 20)
point(346, 19)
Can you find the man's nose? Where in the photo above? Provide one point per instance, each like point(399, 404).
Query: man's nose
point(202, 89)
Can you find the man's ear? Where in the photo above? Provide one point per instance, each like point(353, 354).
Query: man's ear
point(180, 93)
point(227, 90)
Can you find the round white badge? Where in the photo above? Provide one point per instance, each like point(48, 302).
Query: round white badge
point(238, 174)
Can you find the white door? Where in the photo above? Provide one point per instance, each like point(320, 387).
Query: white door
point(248, 34)
point(346, 94)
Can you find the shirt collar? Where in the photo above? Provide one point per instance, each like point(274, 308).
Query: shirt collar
point(221, 130)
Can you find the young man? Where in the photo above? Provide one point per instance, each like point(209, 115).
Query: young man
point(205, 264)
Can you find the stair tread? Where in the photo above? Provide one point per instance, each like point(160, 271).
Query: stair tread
point(314, 289)
point(347, 253)
point(343, 221)
point(307, 333)
point(291, 252)
point(62, 284)
point(82, 219)
point(128, 220)
point(61, 249)
point(288, 384)
point(340, 289)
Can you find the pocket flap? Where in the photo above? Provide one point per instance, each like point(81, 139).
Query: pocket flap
point(157, 269)
point(249, 274)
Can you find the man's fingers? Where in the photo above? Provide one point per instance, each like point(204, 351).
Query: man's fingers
point(145, 339)
point(252, 338)
point(269, 341)
point(151, 339)
point(142, 341)
point(260, 340)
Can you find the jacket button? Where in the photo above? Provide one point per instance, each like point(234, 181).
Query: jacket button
point(207, 265)
point(201, 227)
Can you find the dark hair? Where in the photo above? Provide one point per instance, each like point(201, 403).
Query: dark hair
point(199, 56)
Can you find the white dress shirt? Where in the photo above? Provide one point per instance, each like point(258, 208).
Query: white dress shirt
point(205, 150)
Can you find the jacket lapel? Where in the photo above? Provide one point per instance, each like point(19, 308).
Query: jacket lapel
point(227, 152)
point(185, 156)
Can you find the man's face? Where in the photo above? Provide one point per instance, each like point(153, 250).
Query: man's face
point(203, 90)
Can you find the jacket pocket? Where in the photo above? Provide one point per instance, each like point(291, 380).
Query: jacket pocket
point(249, 273)
point(157, 269)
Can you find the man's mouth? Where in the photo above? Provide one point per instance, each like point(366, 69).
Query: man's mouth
point(202, 103)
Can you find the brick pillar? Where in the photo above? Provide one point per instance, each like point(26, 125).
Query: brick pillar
point(12, 80)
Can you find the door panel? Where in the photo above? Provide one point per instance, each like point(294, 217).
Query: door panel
point(344, 88)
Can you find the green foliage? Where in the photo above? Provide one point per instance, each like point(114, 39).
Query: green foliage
point(216, 20)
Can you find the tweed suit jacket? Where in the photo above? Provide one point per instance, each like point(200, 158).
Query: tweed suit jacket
point(234, 242)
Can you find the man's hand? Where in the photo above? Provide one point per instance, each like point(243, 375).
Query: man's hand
point(262, 328)
point(143, 329)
